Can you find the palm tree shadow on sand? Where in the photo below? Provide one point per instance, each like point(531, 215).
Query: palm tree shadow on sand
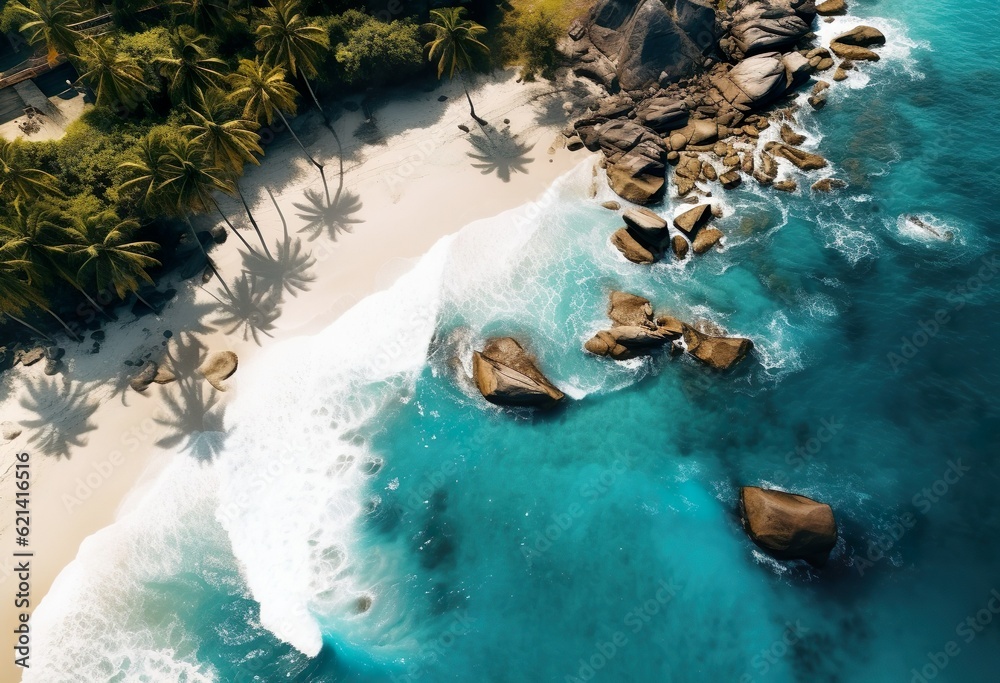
point(288, 270)
point(331, 217)
point(193, 416)
point(249, 307)
point(62, 409)
point(502, 153)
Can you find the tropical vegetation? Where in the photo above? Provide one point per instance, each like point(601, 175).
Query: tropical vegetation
point(183, 92)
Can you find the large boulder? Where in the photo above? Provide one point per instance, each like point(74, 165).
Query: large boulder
point(854, 44)
point(630, 247)
point(507, 376)
point(806, 161)
point(692, 220)
point(628, 341)
point(647, 227)
point(217, 367)
point(766, 25)
point(788, 526)
point(144, 377)
point(662, 114)
point(829, 8)
point(636, 160)
point(647, 42)
point(630, 309)
point(705, 240)
point(718, 352)
point(752, 83)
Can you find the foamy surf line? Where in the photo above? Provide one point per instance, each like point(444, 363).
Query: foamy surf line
point(291, 446)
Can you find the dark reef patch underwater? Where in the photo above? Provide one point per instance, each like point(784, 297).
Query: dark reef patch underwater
point(420, 535)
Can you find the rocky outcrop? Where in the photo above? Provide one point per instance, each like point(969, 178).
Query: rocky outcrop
point(855, 44)
point(635, 332)
point(648, 227)
point(631, 249)
point(788, 526)
point(718, 352)
point(805, 161)
point(218, 367)
point(662, 113)
point(692, 220)
point(635, 44)
point(507, 376)
point(752, 83)
point(829, 8)
point(636, 160)
point(766, 25)
point(705, 240)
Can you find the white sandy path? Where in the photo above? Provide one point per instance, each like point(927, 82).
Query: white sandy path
point(415, 188)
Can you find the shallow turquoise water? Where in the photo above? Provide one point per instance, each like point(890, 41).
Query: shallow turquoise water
point(601, 542)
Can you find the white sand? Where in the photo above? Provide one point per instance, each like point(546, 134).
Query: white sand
point(415, 188)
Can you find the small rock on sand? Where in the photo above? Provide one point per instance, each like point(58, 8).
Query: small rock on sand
point(218, 367)
point(9, 431)
point(613, 206)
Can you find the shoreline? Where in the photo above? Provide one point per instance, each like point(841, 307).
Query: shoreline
point(413, 190)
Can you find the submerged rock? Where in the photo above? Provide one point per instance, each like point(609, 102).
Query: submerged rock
point(787, 525)
point(635, 332)
point(219, 366)
point(805, 161)
point(506, 375)
point(705, 240)
point(828, 185)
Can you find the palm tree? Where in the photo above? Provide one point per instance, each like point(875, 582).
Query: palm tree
point(116, 78)
point(229, 143)
point(17, 180)
point(264, 92)
point(109, 258)
point(288, 40)
point(17, 296)
point(33, 235)
point(19, 291)
point(51, 23)
point(189, 179)
point(192, 69)
point(455, 46)
point(150, 174)
point(208, 16)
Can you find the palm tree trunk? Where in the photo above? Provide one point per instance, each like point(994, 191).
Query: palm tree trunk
point(252, 221)
point(30, 327)
point(62, 322)
point(187, 219)
point(231, 226)
point(308, 156)
point(472, 107)
point(329, 125)
point(284, 223)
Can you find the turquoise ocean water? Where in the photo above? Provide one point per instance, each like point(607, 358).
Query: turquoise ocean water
point(377, 521)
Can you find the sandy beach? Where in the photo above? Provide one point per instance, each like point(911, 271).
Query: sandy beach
point(414, 178)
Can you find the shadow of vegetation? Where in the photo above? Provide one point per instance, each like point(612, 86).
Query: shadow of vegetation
point(192, 417)
point(248, 307)
point(287, 271)
point(502, 153)
point(55, 432)
point(553, 105)
point(331, 217)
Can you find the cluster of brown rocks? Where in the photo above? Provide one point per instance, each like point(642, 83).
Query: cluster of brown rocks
point(216, 368)
point(30, 355)
point(637, 331)
point(647, 237)
point(687, 80)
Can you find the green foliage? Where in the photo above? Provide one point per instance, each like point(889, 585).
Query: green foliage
point(377, 53)
point(148, 48)
point(529, 39)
